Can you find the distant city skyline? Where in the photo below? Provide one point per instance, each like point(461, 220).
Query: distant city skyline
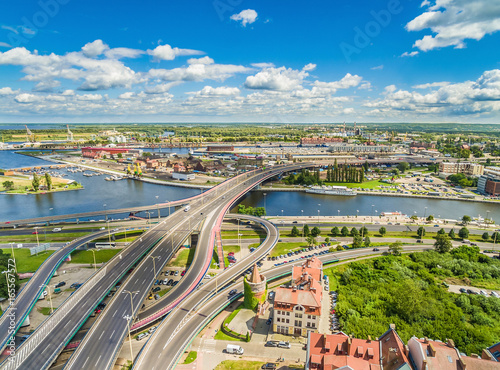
point(250, 61)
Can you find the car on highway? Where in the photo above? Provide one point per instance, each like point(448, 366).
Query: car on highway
point(56, 229)
point(376, 249)
point(284, 345)
point(232, 292)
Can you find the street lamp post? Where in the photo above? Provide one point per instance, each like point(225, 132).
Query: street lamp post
point(93, 252)
point(109, 233)
point(13, 256)
point(50, 297)
point(130, 318)
point(319, 205)
point(425, 212)
point(37, 240)
point(281, 214)
point(105, 212)
point(373, 205)
point(338, 213)
point(487, 218)
point(166, 200)
point(265, 208)
point(357, 212)
point(157, 207)
point(154, 264)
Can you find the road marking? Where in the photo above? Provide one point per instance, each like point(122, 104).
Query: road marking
point(67, 324)
point(100, 335)
point(136, 280)
point(97, 361)
point(112, 334)
point(85, 362)
point(144, 282)
point(115, 312)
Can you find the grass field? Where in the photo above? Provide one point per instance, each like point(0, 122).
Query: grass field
point(42, 238)
point(283, 248)
point(365, 185)
point(191, 357)
point(185, 257)
point(162, 292)
point(26, 262)
point(45, 310)
point(103, 255)
point(239, 365)
point(246, 234)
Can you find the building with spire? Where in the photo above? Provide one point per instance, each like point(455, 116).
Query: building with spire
point(255, 289)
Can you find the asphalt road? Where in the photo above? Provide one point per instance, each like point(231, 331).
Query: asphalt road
point(94, 353)
point(42, 353)
point(28, 296)
point(166, 345)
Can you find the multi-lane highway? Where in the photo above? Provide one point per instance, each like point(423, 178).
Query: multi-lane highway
point(92, 351)
point(36, 353)
point(28, 296)
point(173, 335)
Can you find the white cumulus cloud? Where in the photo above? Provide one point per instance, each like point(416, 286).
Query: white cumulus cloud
point(166, 52)
point(247, 16)
point(454, 21)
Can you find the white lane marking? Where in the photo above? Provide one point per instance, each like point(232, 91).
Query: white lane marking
point(100, 335)
point(85, 362)
point(112, 334)
point(67, 324)
point(115, 312)
point(98, 361)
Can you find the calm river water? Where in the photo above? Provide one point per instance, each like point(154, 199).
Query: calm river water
point(130, 193)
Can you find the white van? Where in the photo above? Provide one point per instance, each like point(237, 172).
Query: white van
point(234, 349)
point(142, 336)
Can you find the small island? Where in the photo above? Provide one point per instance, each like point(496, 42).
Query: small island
point(12, 182)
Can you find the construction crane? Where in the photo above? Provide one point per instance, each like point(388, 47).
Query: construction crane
point(69, 136)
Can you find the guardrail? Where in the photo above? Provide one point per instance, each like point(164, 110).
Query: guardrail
point(45, 328)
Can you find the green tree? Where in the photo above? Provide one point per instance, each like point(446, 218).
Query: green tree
point(120, 155)
point(363, 231)
point(421, 232)
point(344, 231)
point(451, 234)
point(259, 211)
point(382, 231)
point(485, 236)
point(466, 219)
point(441, 231)
point(354, 231)
point(335, 231)
point(396, 248)
point(35, 182)
point(430, 218)
point(442, 243)
point(48, 181)
point(495, 237)
point(306, 231)
point(315, 231)
point(357, 241)
point(311, 240)
point(414, 218)
point(403, 166)
point(463, 233)
point(8, 185)
point(367, 242)
point(295, 231)
point(327, 240)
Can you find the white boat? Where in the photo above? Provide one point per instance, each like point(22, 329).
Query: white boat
point(331, 190)
point(108, 179)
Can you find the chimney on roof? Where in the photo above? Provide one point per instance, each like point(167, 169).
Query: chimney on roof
point(369, 339)
point(392, 326)
point(424, 364)
point(432, 350)
point(450, 343)
point(474, 355)
point(426, 340)
point(349, 342)
point(486, 355)
point(461, 364)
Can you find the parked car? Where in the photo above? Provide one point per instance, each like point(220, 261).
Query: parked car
point(157, 289)
point(284, 345)
point(272, 343)
point(376, 249)
point(463, 290)
point(62, 283)
point(270, 365)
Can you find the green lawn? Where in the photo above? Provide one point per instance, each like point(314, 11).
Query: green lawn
point(366, 185)
point(162, 292)
point(103, 255)
point(228, 249)
point(246, 234)
point(42, 238)
point(186, 255)
point(26, 262)
point(191, 357)
point(221, 336)
point(239, 365)
point(45, 310)
point(283, 248)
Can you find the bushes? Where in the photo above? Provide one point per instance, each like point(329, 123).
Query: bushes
point(407, 291)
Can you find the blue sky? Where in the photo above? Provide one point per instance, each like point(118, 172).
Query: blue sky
point(250, 61)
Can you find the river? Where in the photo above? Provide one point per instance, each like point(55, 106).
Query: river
point(131, 193)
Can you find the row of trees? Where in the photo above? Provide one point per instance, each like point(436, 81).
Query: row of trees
point(344, 173)
point(305, 177)
point(254, 211)
point(35, 183)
